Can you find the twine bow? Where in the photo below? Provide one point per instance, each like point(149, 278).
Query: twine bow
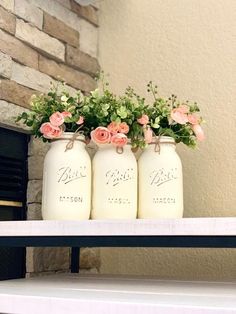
point(70, 144)
point(157, 147)
point(158, 143)
point(119, 150)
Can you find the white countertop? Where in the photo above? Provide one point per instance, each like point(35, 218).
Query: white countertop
point(138, 227)
point(72, 293)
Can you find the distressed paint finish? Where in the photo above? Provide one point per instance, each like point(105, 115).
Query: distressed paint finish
point(122, 227)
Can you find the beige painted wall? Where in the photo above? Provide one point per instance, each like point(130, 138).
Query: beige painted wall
point(189, 48)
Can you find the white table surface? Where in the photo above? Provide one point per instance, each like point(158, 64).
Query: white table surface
point(185, 226)
point(72, 293)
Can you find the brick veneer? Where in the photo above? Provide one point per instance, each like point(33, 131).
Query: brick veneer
point(40, 41)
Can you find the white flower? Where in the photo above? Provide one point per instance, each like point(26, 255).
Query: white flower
point(64, 98)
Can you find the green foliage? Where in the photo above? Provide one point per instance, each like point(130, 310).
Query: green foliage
point(101, 107)
point(43, 106)
point(162, 109)
point(160, 120)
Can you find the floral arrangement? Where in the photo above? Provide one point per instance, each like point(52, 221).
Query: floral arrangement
point(53, 114)
point(171, 117)
point(112, 119)
point(106, 118)
point(100, 116)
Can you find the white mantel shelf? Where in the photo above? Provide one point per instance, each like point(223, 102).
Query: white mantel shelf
point(70, 293)
point(139, 227)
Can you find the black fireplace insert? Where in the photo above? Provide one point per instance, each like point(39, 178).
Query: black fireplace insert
point(13, 184)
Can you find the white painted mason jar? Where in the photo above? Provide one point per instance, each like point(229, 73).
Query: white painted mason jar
point(114, 183)
point(67, 180)
point(160, 181)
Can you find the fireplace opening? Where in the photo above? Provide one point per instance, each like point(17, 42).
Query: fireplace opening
point(13, 185)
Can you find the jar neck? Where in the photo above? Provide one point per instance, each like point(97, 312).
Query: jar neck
point(103, 147)
point(71, 138)
point(163, 143)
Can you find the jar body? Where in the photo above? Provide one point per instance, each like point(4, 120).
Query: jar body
point(114, 183)
point(160, 182)
point(66, 181)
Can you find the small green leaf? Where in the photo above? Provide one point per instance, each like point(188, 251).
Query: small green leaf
point(24, 115)
point(155, 125)
point(118, 120)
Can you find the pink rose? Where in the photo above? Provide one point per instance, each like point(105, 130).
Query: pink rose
point(143, 120)
point(80, 121)
point(193, 119)
point(66, 114)
point(179, 115)
point(101, 135)
point(113, 127)
point(57, 119)
point(50, 131)
point(183, 109)
point(119, 140)
point(148, 134)
point(124, 128)
point(198, 131)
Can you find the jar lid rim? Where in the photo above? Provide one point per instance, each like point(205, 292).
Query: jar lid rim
point(68, 136)
point(108, 144)
point(163, 139)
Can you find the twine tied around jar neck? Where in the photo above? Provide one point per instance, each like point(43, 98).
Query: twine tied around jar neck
point(119, 150)
point(70, 144)
point(157, 148)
